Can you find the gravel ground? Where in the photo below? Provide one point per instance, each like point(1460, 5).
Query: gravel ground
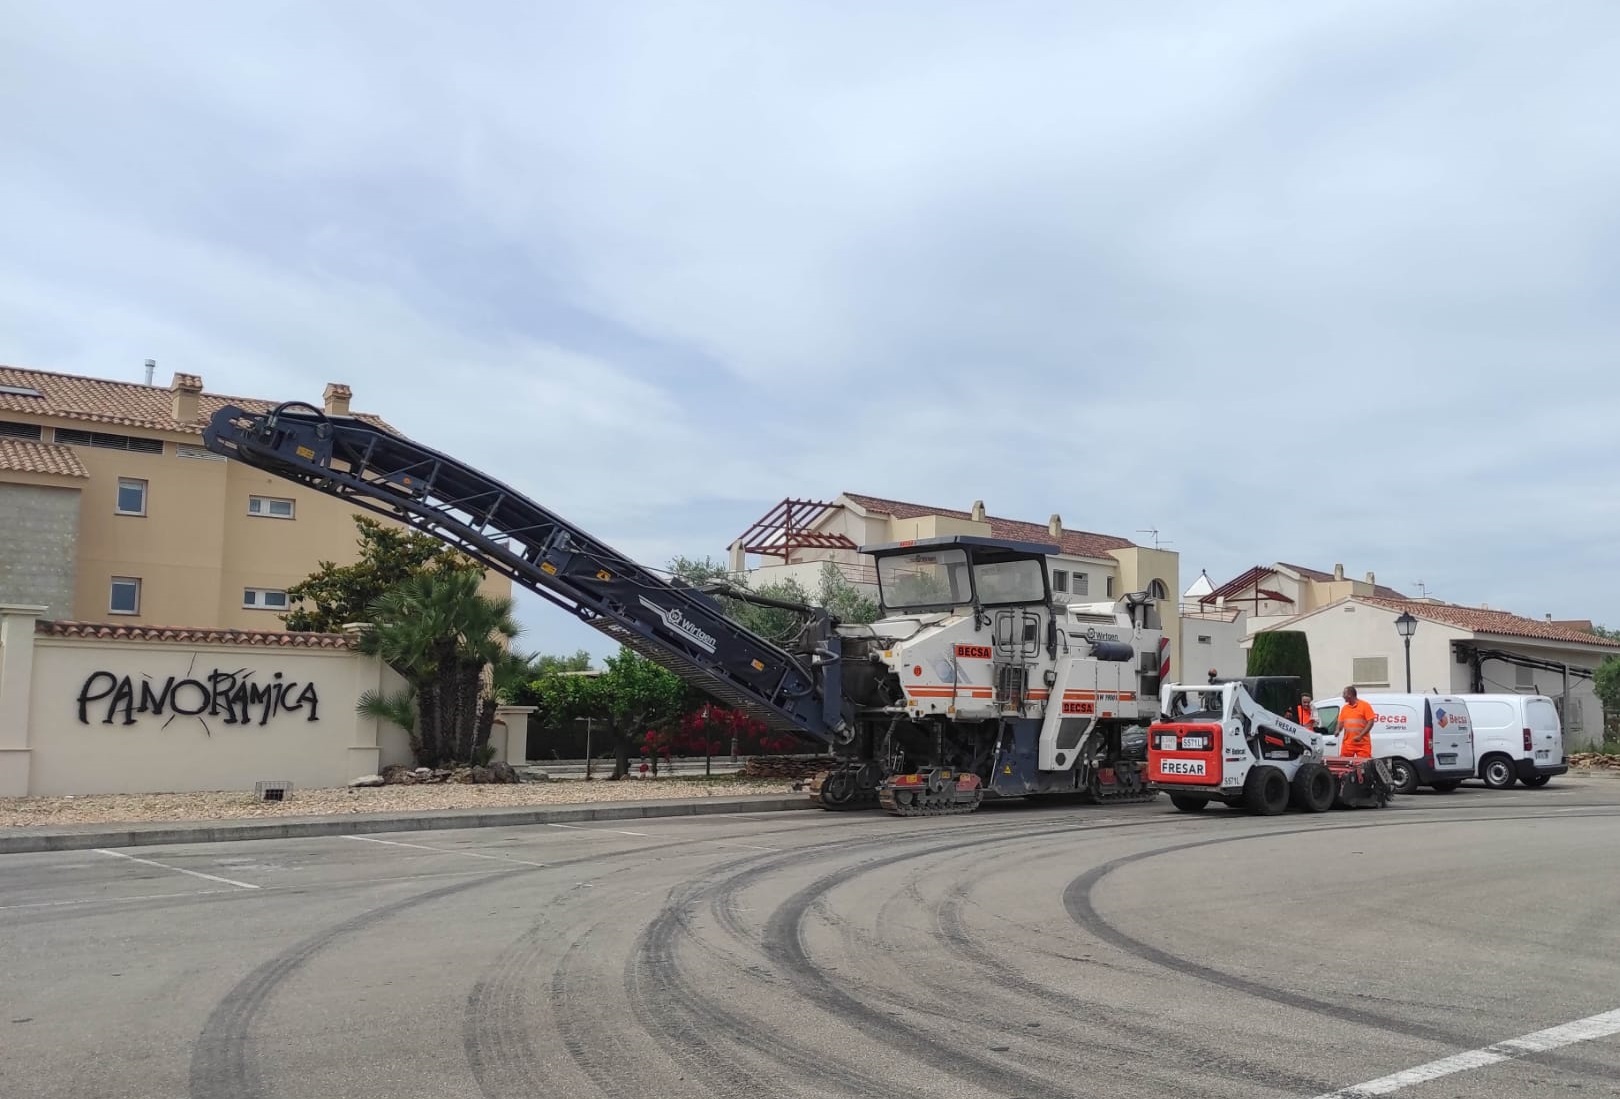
point(145, 808)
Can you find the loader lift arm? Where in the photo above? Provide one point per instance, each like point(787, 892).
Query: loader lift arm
point(676, 626)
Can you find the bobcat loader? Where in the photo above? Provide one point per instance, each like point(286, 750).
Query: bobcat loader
point(1220, 742)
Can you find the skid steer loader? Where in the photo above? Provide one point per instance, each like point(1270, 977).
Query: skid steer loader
point(1228, 741)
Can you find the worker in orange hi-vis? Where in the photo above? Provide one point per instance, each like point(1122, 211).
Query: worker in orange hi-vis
point(1355, 727)
point(1304, 714)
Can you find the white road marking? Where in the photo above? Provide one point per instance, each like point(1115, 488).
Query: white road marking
point(113, 900)
point(1581, 1030)
point(176, 869)
point(749, 846)
point(583, 828)
point(446, 850)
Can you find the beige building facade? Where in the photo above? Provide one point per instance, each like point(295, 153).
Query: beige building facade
point(111, 509)
point(109, 708)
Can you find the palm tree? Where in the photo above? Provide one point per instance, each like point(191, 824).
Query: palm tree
point(440, 633)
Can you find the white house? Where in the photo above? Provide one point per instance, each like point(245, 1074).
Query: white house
point(1354, 642)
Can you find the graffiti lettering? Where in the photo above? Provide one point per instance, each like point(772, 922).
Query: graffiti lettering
point(234, 697)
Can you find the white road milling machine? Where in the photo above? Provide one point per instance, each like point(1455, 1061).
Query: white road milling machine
point(976, 683)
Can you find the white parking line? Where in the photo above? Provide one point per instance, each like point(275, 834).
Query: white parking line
point(1581, 1030)
point(176, 869)
point(583, 828)
point(113, 900)
point(445, 850)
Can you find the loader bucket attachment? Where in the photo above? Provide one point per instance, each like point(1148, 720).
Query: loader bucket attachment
point(1362, 783)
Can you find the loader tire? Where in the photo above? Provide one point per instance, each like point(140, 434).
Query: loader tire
point(1266, 792)
point(1314, 788)
point(1189, 804)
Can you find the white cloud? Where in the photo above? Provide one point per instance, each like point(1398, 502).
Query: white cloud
point(1232, 273)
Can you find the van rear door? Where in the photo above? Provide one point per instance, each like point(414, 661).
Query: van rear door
point(1546, 732)
point(1453, 736)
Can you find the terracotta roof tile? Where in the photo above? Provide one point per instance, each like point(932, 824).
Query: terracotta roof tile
point(1077, 543)
point(1502, 623)
point(23, 456)
point(183, 635)
point(124, 404)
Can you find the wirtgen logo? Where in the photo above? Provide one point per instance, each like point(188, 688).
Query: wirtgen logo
point(677, 621)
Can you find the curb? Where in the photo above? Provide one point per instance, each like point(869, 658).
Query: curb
point(230, 831)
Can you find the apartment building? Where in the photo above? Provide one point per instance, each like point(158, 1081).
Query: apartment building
point(111, 509)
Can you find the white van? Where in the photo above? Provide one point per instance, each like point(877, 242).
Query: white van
point(1428, 739)
point(1517, 737)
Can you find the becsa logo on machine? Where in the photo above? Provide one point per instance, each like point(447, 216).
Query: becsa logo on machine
point(973, 652)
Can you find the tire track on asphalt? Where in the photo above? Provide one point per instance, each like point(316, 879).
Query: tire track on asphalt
point(1166, 1044)
point(1078, 901)
point(224, 1063)
point(224, 1059)
point(677, 1011)
point(784, 945)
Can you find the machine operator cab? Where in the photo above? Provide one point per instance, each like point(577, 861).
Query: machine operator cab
point(960, 572)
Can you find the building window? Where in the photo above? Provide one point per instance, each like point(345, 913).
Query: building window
point(1110, 587)
point(1370, 671)
point(1060, 581)
point(271, 507)
point(264, 599)
point(131, 496)
point(1204, 639)
point(10, 429)
point(1525, 679)
point(126, 595)
point(1158, 590)
point(74, 437)
point(1082, 583)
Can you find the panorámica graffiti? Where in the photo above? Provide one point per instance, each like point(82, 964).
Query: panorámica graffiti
point(233, 697)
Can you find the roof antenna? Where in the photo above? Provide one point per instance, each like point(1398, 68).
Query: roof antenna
point(1155, 532)
point(1423, 589)
point(151, 368)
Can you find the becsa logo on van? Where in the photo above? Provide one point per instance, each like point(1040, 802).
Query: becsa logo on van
point(1441, 718)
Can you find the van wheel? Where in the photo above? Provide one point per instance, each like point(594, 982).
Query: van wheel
point(1189, 804)
point(1405, 776)
point(1314, 788)
point(1447, 786)
point(1266, 791)
point(1497, 772)
point(1536, 780)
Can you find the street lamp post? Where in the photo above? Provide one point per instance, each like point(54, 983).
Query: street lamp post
point(1406, 626)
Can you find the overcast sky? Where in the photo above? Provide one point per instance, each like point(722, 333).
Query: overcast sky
point(1325, 282)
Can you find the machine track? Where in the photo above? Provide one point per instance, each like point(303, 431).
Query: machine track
point(931, 794)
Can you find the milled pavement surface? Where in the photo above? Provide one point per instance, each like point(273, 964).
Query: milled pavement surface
point(1025, 950)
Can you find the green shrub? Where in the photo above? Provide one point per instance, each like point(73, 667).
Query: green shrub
point(1281, 652)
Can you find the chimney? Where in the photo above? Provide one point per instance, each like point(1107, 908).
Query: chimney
point(1338, 572)
point(1054, 526)
point(186, 389)
point(336, 398)
point(1549, 618)
point(1370, 579)
point(151, 369)
point(978, 511)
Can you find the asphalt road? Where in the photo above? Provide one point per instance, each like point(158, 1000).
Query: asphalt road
point(1052, 951)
